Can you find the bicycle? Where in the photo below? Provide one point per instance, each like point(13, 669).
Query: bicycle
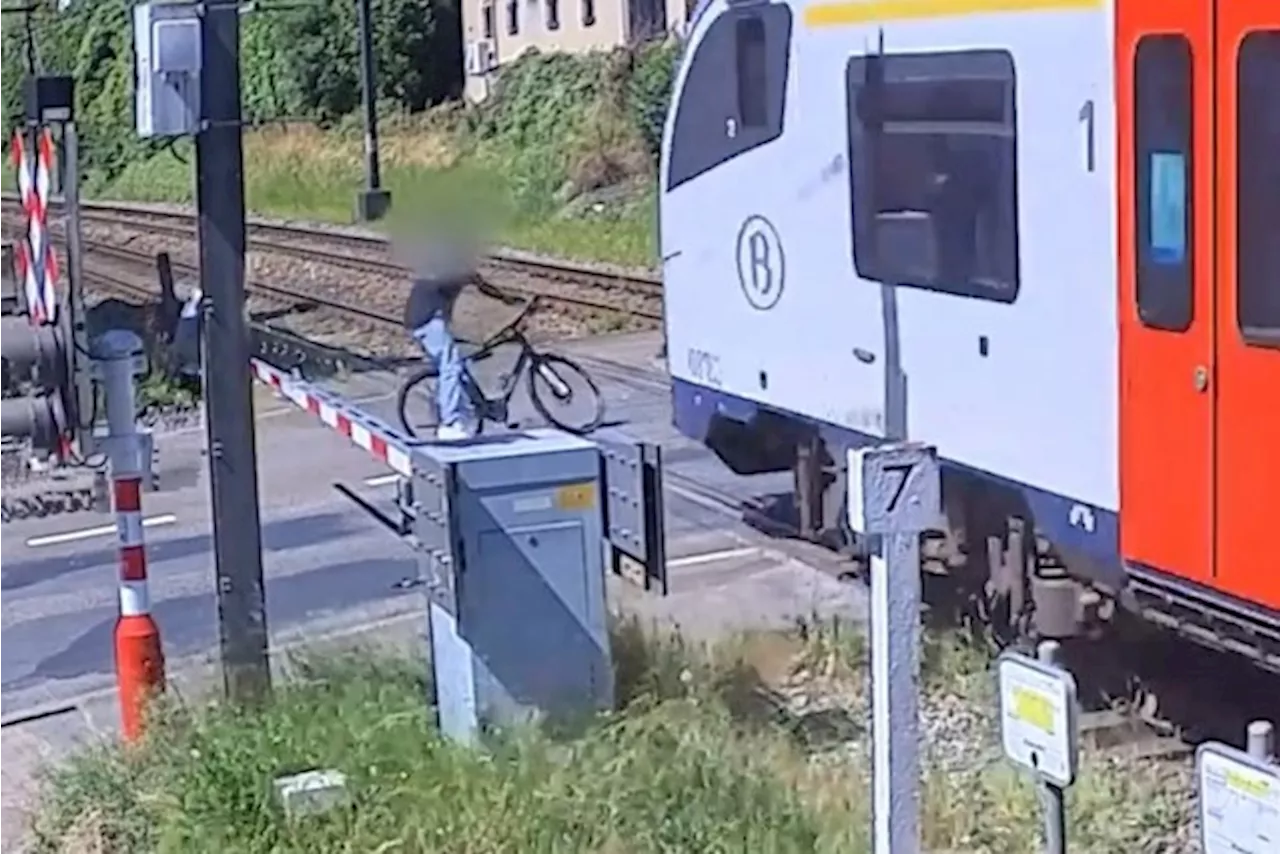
point(549, 368)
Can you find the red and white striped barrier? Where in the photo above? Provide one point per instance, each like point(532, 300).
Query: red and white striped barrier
point(34, 256)
point(134, 599)
point(384, 442)
point(139, 655)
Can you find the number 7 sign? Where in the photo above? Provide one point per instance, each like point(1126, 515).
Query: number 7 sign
point(894, 489)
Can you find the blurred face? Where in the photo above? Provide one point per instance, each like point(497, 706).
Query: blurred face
point(459, 208)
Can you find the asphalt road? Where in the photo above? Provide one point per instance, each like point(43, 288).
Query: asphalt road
point(324, 559)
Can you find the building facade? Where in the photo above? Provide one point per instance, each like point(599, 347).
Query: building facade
point(496, 32)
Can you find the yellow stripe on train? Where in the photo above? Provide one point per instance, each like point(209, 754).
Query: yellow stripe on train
point(868, 11)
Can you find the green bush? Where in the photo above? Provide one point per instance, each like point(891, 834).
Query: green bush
point(296, 63)
point(649, 92)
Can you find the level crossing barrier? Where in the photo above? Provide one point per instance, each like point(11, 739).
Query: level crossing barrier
point(505, 528)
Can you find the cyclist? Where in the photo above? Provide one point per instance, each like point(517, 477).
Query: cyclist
point(440, 270)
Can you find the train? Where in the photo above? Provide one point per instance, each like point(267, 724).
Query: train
point(1042, 236)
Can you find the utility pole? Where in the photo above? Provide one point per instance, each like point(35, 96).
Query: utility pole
point(373, 201)
point(233, 476)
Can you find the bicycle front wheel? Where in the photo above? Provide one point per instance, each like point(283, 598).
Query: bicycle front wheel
point(416, 404)
point(564, 394)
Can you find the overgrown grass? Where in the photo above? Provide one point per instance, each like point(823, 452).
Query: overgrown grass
point(686, 766)
point(567, 148)
point(157, 390)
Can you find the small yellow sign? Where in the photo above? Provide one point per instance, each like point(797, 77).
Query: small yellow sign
point(1033, 708)
point(1247, 784)
point(576, 496)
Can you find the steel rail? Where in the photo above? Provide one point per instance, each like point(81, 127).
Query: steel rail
point(268, 237)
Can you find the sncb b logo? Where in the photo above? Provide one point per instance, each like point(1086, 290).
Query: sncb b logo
point(761, 264)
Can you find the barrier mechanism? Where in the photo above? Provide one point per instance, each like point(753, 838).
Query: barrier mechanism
point(508, 529)
point(632, 473)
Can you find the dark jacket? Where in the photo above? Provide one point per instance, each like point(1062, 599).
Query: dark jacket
point(438, 278)
point(428, 298)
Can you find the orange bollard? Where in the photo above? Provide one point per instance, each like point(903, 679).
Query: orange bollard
point(139, 656)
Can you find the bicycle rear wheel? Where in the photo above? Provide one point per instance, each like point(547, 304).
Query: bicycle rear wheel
point(556, 384)
point(416, 404)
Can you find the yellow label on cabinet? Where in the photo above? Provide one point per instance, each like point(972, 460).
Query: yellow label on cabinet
point(576, 496)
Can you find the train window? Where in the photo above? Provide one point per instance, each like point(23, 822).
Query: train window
point(588, 13)
point(1163, 169)
point(721, 115)
point(513, 17)
point(553, 14)
point(752, 72)
point(933, 177)
point(1258, 188)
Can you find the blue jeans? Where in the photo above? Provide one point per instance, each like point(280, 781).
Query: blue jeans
point(437, 340)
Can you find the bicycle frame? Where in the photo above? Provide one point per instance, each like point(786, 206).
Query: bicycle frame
point(497, 408)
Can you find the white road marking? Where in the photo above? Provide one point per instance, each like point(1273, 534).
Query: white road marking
point(381, 479)
point(274, 413)
point(711, 557)
point(99, 531)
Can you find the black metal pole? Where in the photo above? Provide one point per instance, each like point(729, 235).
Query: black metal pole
point(373, 201)
point(233, 476)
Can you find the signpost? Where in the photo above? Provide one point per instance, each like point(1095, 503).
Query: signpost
point(895, 494)
point(1039, 729)
point(1239, 795)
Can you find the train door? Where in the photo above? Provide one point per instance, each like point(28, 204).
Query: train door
point(1247, 86)
point(1198, 305)
point(1164, 116)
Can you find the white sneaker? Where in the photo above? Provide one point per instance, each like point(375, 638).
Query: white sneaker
point(453, 432)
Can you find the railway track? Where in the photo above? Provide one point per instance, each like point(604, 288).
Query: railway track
point(568, 285)
point(280, 294)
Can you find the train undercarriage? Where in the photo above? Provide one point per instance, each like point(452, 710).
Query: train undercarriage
point(1013, 579)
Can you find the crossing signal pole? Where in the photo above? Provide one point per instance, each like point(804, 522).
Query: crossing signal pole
point(228, 391)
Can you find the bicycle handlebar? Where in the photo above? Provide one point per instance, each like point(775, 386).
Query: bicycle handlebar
point(494, 293)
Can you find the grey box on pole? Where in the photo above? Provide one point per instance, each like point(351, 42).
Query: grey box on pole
point(510, 537)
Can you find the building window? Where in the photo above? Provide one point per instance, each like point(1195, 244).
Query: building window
point(933, 177)
point(752, 70)
point(733, 99)
point(513, 17)
point(553, 14)
point(1258, 188)
point(588, 13)
point(488, 20)
point(1163, 165)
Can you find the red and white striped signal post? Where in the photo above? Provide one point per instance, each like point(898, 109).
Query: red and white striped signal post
point(36, 261)
point(139, 655)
